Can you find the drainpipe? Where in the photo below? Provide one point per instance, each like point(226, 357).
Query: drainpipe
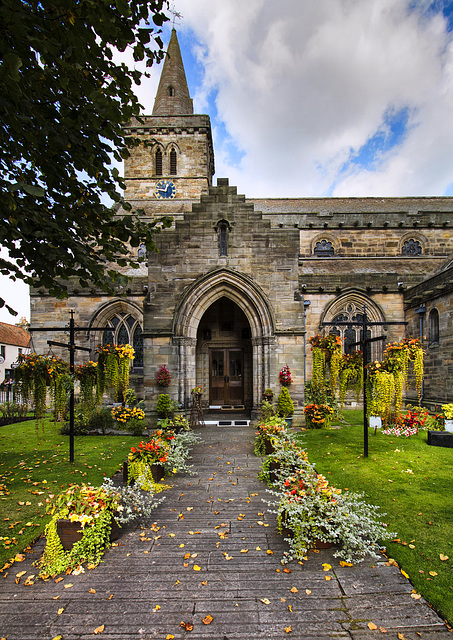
point(421, 312)
point(306, 305)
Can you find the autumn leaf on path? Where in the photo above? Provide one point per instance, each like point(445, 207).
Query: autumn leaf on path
point(99, 630)
point(415, 596)
point(187, 626)
point(169, 637)
point(265, 601)
point(207, 619)
point(371, 626)
point(294, 590)
point(288, 629)
point(326, 566)
point(196, 567)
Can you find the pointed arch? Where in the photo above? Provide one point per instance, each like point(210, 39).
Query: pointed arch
point(126, 322)
point(351, 306)
point(233, 285)
point(197, 299)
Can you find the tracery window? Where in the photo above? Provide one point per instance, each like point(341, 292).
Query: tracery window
point(323, 249)
point(411, 247)
point(352, 334)
point(125, 329)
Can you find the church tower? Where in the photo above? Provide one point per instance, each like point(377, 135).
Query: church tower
point(174, 164)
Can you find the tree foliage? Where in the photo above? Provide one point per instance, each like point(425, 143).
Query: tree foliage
point(64, 97)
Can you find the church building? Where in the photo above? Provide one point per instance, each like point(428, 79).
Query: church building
point(240, 284)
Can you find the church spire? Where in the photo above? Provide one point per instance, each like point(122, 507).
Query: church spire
point(172, 97)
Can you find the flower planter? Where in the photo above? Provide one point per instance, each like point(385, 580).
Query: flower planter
point(440, 439)
point(71, 532)
point(289, 422)
point(268, 447)
point(158, 472)
point(317, 544)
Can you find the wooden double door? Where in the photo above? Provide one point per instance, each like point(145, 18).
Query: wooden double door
point(226, 377)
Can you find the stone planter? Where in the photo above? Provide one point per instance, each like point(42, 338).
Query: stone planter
point(289, 421)
point(71, 532)
point(440, 439)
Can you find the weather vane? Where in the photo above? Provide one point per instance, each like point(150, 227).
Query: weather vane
point(175, 14)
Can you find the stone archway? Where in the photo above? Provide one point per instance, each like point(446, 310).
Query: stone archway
point(199, 297)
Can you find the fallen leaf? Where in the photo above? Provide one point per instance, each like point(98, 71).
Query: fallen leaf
point(157, 607)
point(371, 626)
point(269, 552)
point(244, 550)
point(286, 570)
point(68, 586)
point(308, 592)
point(187, 626)
point(326, 566)
point(265, 601)
point(288, 629)
point(411, 546)
point(442, 557)
point(99, 629)
point(19, 557)
point(169, 637)
point(294, 590)
point(258, 548)
point(57, 638)
point(415, 596)
point(204, 583)
point(328, 577)
point(433, 573)
point(382, 629)
point(208, 619)
point(189, 508)
point(196, 567)
point(343, 563)
point(401, 636)
point(60, 611)
point(20, 574)
point(177, 582)
point(404, 574)
point(290, 608)
point(92, 591)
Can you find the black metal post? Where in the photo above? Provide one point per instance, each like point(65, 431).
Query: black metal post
point(365, 363)
point(71, 398)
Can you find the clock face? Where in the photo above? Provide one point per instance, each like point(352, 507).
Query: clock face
point(165, 190)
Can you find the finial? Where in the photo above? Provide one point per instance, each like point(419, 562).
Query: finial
point(175, 14)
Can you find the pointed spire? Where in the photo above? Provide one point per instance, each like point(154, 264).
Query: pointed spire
point(172, 97)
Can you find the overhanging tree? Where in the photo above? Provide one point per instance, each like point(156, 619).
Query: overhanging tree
point(63, 101)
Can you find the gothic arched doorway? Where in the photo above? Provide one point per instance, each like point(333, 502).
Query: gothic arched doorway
point(224, 355)
point(246, 307)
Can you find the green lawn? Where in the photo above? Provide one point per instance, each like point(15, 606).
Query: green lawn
point(34, 464)
point(412, 483)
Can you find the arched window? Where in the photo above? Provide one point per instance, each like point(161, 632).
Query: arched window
point(125, 329)
point(173, 163)
point(323, 249)
point(171, 91)
point(158, 160)
point(352, 334)
point(411, 248)
point(222, 231)
point(433, 326)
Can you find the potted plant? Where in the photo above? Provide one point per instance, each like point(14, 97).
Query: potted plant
point(165, 407)
point(130, 418)
point(267, 430)
point(145, 463)
point(84, 521)
point(285, 405)
point(448, 414)
point(285, 376)
point(318, 415)
point(163, 376)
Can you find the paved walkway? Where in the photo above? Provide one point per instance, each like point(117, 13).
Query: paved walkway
point(212, 560)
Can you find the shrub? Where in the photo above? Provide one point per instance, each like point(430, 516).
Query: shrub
point(285, 406)
point(165, 406)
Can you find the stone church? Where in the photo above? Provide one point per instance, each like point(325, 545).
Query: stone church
point(239, 284)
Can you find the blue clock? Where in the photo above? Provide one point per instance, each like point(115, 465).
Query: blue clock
point(165, 190)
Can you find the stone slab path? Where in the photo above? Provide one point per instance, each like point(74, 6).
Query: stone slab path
point(211, 559)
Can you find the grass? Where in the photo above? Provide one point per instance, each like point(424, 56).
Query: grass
point(411, 482)
point(35, 463)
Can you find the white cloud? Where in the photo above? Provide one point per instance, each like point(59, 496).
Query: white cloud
point(300, 86)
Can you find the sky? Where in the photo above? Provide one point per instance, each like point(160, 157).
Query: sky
point(319, 97)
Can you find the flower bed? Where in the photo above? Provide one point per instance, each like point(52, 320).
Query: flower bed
point(310, 510)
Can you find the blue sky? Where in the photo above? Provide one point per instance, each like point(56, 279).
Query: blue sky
point(322, 98)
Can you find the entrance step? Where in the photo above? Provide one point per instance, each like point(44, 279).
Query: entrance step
point(227, 423)
point(227, 407)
